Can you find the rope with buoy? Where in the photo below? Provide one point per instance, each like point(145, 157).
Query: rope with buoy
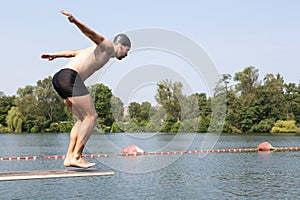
point(133, 150)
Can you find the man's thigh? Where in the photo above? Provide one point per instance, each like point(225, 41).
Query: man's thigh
point(84, 105)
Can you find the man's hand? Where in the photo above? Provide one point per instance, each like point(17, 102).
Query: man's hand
point(94, 36)
point(48, 56)
point(69, 15)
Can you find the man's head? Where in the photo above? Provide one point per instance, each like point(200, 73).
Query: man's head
point(125, 45)
point(123, 40)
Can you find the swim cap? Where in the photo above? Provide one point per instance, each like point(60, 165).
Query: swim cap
point(123, 40)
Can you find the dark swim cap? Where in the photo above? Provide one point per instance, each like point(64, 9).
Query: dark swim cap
point(123, 40)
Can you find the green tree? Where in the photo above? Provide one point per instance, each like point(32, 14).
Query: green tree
point(14, 120)
point(202, 104)
point(291, 100)
point(6, 103)
point(284, 126)
point(263, 126)
point(117, 108)
point(102, 98)
point(28, 106)
point(168, 95)
point(50, 105)
point(270, 97)
point(140, 116)
point(135, 111)
point(26, 101)
point(297, 109)
point(233, 121)
point(218, 105)
point(248, 112)
point(40, 105)
point(115, 128)
point(145, 111)
point(190, 108)
point(203, 124)
point(247, 81)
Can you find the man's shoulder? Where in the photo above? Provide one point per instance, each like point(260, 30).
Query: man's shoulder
point(107, 45)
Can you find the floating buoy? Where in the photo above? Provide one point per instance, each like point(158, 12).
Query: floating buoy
point(265, 146)
point(132, 150)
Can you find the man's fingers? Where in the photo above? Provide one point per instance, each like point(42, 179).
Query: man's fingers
point(44, 56)
point(47, 56)
point(65, 13)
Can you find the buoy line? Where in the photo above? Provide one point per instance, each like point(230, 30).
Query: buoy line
point(133, 150)
point(20, 158)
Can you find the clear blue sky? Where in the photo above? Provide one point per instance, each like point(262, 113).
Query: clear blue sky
point(234, 33)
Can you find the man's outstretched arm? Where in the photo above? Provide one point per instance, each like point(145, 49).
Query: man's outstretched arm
point(95, 37)
point(64, 54)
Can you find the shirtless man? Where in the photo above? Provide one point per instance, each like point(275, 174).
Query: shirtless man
point(68, 83)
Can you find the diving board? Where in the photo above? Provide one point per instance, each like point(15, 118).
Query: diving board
point(43, 174)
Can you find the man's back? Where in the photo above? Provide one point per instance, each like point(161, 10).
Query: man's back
point(91, 59)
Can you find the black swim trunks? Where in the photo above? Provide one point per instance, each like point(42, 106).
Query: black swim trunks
point(68, 83)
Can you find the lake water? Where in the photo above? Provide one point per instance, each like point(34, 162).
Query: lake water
point(252, 175)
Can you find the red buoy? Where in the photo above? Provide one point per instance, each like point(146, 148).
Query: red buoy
point(265, 146)
point(132, 150)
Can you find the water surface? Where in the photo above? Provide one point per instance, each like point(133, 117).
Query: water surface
point(274, 175)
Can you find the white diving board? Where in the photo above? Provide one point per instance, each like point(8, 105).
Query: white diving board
point(43, 174)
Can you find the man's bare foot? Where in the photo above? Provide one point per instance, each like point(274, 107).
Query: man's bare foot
point(67, 161)
point(81, 163)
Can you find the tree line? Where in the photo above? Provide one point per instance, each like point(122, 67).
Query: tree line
point(241, 103)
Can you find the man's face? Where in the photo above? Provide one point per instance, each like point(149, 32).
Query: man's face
point(122, 53)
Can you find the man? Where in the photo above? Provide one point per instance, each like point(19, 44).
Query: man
point(68, 83)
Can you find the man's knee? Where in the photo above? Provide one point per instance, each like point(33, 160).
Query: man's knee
point(94, 117)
